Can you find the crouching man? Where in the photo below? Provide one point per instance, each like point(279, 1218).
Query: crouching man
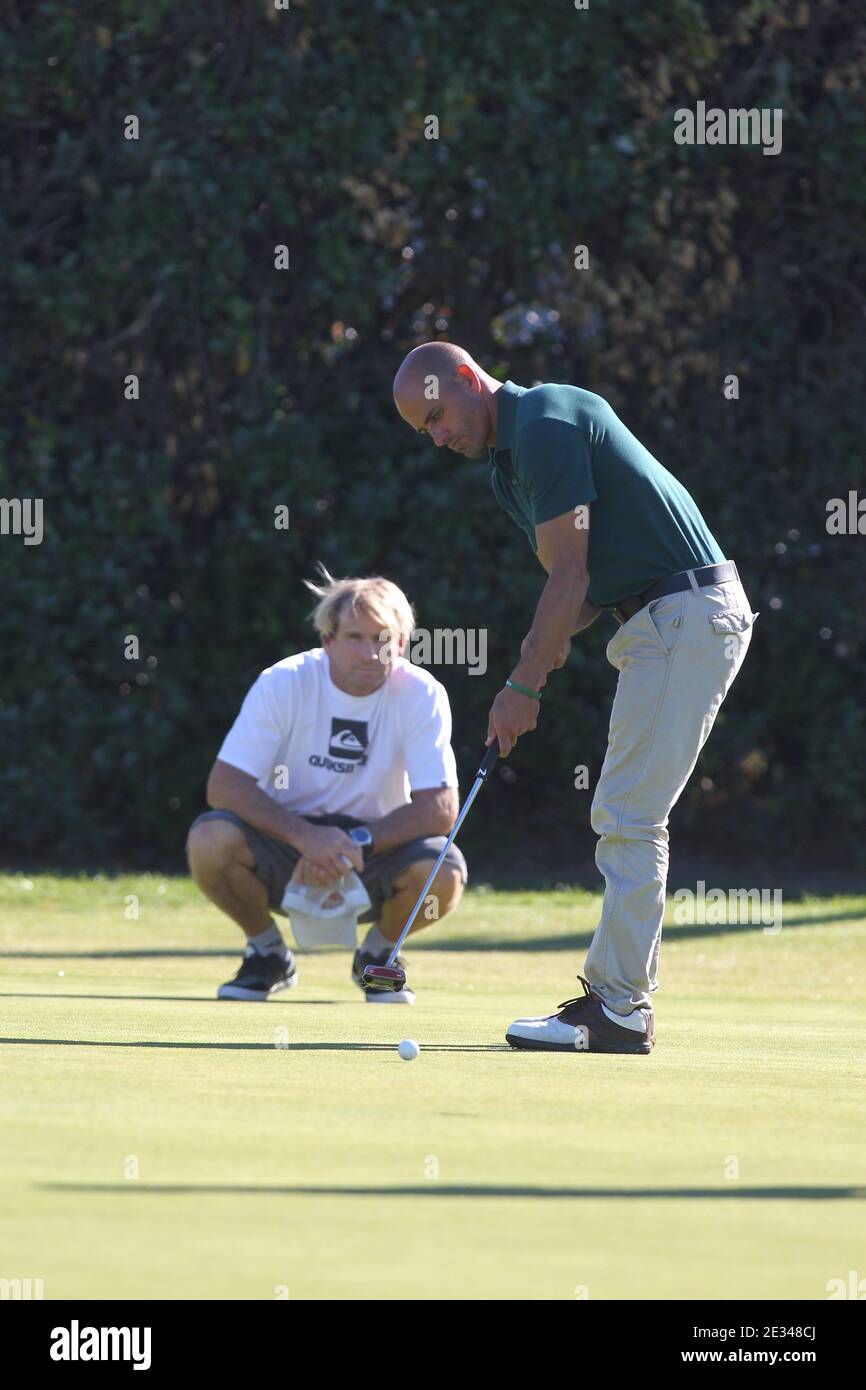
point(339, 760)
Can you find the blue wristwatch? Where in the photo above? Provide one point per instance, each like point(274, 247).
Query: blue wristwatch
point(362, 836)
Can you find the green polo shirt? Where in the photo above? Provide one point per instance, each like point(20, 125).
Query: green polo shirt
point(557, 448)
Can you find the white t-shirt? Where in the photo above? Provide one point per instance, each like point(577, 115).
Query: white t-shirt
point(317, 750)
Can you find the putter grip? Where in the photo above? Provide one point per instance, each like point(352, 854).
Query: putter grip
point(489, 758)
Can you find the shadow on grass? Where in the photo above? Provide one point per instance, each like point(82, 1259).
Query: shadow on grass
point(577, 941)
point(163, 998)
point(257, 1046)
point(192, 954)
point(728, 1193)
point(580, 941)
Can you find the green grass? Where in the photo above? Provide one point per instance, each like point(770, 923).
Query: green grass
point(285, 1147)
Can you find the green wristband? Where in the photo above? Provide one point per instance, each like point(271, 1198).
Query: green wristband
point(524, 689)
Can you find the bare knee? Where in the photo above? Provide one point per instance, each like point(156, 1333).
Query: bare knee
point(215, 844)
point(444, 892)
point(452, 886)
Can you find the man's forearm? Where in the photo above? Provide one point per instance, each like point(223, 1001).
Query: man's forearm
point(248, 801)
point(558, 611)
point(405, 823)
point(242, 794)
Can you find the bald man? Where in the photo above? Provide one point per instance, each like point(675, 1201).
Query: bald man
point(615, 531)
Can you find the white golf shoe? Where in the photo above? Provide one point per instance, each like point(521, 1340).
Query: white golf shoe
point(581, 1025)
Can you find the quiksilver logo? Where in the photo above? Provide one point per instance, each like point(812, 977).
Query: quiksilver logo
point(349, 739)
point(76, 1343)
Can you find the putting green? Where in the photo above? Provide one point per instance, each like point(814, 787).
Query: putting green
point(160, 1144)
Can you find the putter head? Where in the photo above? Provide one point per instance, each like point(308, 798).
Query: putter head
point(385, 978)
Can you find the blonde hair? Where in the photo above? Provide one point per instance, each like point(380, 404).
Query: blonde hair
point(385, 603)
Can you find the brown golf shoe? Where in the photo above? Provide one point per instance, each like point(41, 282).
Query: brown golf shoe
point(581, 1026)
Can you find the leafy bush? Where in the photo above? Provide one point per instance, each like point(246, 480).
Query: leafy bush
point(262, 387)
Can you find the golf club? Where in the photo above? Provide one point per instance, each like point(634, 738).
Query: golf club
point(390, 977)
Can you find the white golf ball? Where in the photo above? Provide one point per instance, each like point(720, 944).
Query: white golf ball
point(408, 1050)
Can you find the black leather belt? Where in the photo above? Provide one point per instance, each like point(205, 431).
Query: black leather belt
point(674, 584)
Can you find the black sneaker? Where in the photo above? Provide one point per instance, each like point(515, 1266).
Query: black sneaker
point(378, 996)
point(261, 976)
point(582, 1026)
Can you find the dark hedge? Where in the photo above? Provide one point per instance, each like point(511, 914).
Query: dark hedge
point(306, 127)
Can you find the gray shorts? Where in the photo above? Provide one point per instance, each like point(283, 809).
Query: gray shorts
point(275, 860)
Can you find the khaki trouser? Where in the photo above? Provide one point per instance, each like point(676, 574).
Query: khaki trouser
point(677, 658)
